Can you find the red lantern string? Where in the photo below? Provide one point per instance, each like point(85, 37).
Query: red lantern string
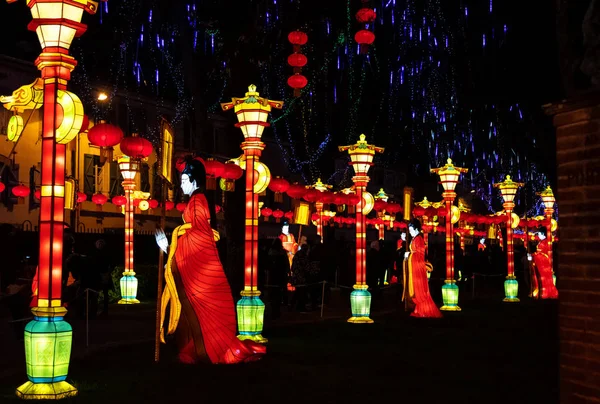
point(364, 37)
point(297, 60)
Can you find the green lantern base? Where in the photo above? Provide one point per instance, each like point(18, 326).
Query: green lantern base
point(360, 302)
point(48, 341)
point(129, 286)
point(553, 279)
point(251, 313)
point(450, 296)
point(46, 391)
point(511, 289)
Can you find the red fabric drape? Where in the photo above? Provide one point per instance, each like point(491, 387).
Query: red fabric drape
point(542, 263)
point(424, 304)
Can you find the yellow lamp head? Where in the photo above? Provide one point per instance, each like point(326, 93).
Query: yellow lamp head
point(361, 155)
point(449, 175)
point(508, 188)
point(128, 167)
point(548, 197)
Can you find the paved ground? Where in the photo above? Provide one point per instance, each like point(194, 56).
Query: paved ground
point(489, 353)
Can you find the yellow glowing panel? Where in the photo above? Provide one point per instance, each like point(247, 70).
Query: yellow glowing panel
point(59, 191)
point(69, 194)
point(515, 220)
point(166, 161)
point(368, 203)
point(301, 214)
point(72, 117)
point(264, 177)
point(455, 214)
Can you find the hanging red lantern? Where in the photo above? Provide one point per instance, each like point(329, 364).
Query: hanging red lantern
point(364, 38)
point(136, 147)
point(366, 15)
point(353, 199)
point(85, 124)
point(297, 38)
point(81, 197)
point(266, 213)
point(297, 82)
point(339, 199)
point(169, 205)
point(232, 171)
point(37, 194)
point(153, 203)
point(418, 211)
point(314, 217)
point(279, 185)
point(21, 191)
point(99, 199)
point(181, 206)
point(296, 191)
point(289, 215)
point(431, 212)
point(393, 208)
point(441, 212)
point(277, 214)
point(312, 195)
point(218, 209)
point(214, 169)
point(105, 136)
point(2, 187)
point(119, 200)
point(297, 60)
point(379, 206)
point(327, 197)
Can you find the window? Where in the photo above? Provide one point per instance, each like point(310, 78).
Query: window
point(91, 176)
point(115, 180)
point(145, 178)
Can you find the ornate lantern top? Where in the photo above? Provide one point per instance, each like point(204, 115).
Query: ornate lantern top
point(424, 203)
point(319, 186)
point(252, 112)
point(361, 155)
point(449, 174)
point(128, 167)
point(381, 195)
point(508, 188)
point(547, 197)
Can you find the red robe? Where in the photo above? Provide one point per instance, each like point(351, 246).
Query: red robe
point(207, 328)
point(542, 263)
point(290, 245)
point(418, 285)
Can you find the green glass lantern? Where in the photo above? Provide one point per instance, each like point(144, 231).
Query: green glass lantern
point(48, 341)
point(450, 296)
point(129, 286)
point(360, 302)
point(511, 289)
point(251, 312)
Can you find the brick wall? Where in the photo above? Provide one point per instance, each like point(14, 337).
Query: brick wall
point(578, 157)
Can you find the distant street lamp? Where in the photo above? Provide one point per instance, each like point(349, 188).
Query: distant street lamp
point(508, 189)
point(449, 175)
point(252, 113)
point(548, 199)
point(361, 159)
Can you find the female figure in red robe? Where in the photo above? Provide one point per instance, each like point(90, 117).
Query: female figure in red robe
point(202, 310)
point(418, 285)
point(542, 263)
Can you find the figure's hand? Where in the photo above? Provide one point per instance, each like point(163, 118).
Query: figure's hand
point(216, 235)
point(529, 257)
point(406, 254)
point(161, 240)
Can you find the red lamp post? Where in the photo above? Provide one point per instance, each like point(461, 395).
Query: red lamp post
point(56, 23)
point(508, 189)
point(361, 159)
point(449, 175)
point(252, 112)
point(548, 199)
point(319, 186)
point(381, 199)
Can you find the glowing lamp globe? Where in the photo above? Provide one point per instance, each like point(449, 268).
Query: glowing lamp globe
point(548, 197)
point(144, 205)
point(57, 22)
point(449, 175)
point(128, 167)
point(136, 147)
point(252, 112)
point(508, 189)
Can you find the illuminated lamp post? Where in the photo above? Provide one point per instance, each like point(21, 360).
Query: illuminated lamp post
point(252, 112)
point(134, 148)
point(319, 186)
point(449, 175)
point(380, 197)
point(422, 211)
point(361, 159)
point(48, 337)
point(508, 189)
point(548, 199)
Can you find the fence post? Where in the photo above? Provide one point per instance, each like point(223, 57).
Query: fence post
point(87, 318)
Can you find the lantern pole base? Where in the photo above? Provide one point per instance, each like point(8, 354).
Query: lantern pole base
point(450, 296)
point(250, 314)
point(45, 391)
point(511, 289)
point(360, 302)
point(129, 286)
point(48, 341)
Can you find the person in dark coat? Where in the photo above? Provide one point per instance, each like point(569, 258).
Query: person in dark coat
point(277, 275)
point(101, 260)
